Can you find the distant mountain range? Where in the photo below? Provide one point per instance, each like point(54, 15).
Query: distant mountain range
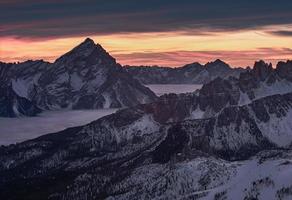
point(232, 139)
point(87, 77)
point(194, 73)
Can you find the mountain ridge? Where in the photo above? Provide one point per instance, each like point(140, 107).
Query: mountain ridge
point(193, 73)
point(87, 77)
point(85, 154)
point(209, 144)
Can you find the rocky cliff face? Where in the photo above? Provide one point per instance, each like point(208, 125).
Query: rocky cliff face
point(194, 73)
point(87, 77)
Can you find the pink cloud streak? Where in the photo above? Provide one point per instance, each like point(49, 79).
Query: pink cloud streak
point(179, 58)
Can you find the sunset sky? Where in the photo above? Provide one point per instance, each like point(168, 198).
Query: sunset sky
point(152, 32)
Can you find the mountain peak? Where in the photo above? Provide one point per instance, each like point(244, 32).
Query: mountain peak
point(218, 61)
point(87, 43)
point(192, 66)
point(287, 64)
point(284, 69)
point(262, 69)
point(85, 50)
point(88, 40)
point(216, 65)
point(261, 63)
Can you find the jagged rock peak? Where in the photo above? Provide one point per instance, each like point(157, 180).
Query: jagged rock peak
point(88, 40)
point(262, 64)
point(192, 65)
point(217, 63)
point(282, 64)
point(84, 50)
point(284, 69)
point(262, 69)
point(87, 43)
point(287, 62)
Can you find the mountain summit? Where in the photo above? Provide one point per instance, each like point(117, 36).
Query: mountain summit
point(87, 77)
point(87, 50)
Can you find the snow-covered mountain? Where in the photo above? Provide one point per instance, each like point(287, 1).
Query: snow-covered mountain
point(87, 77)
point(166, 150)
point(194, 73)
point(131, 155)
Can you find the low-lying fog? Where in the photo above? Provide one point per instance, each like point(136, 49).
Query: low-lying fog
point(14, 130)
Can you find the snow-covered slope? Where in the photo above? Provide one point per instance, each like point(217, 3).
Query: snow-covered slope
point(150, 151)
point(264, 176)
